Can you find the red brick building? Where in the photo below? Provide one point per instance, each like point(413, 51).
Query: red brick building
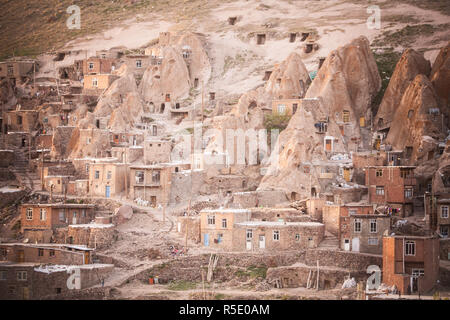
point(39, 220)
point(392, 186)
point(96, 65)
point(361, 229)
point(411, 263)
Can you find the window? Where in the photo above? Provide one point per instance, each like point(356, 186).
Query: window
point(11, 289)
point(352, 212)
point(357, 227)
point(43, 214)
point(346, 116)
point(2, 275)
point(3, 252)
point(87, 168)
point(417, 273)
point(29, 214)
point(83, 213)
point(139, 176)
point(281, 109)
point(410, 248)
point(10, 70)
point(406, 173)
point(156, 176)
point(138, 63)
point(211, 220)
point(91, 65)
point(224, 223)
point(88, 141)
point(297, 237)
point(373, 225)
point(379, 173)
point(22, 276)
point(408, 193)
point(109, 175)
point(40, 252)
point(94, 82)
point(249, 234)
point(58, 290)
point(380, 191)
point(276, 235)
point(373, 241)
point(52, 253)
point(410, 114)
point(97, 174)
point(444, 212)
point(62, 215)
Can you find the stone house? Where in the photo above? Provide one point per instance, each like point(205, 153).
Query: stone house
point(31, 280)
point(95, 65)
point(22, 120)
point(137, 64)
point(45, 253)
point(411, 263)
point(95, 84)
point(285, 106)
point(38, 221)
point(276, 235)
point(393, 186)
point(153, 182)
point(216, 226)
point(16, 70)
point(443, 218)
point(157, 151)
point(107, 179)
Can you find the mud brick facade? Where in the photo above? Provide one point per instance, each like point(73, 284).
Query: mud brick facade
point(22, 120)
point(216, 226)
point(31, 281)
point(137, 64)
point(45, 253)
point(363, 232)
point(16, 69)
point(96, 65)
point(157, 151)
point(96, 83)
point(285, 106)
point(392, 185)
point(279, 214)
point(411, 263)
point(7, 158)
point(274, 236)
point(191, 225)
point(107, 179)
point(361, 160)
point(96, 235)
point(153, 183)
point(38, 220)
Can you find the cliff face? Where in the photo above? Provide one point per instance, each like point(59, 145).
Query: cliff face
point(440, 78)
point(289, 80)
point(412, 125)
point(408, 67)
point(170, 77)
point(346, 83)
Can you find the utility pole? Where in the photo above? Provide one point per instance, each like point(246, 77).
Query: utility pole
point(126, 176)
point(42, 167)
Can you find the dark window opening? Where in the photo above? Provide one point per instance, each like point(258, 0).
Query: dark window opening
point(261, 39)
point(292, 37)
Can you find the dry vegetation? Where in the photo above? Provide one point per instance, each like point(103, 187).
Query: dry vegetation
point(31, 27)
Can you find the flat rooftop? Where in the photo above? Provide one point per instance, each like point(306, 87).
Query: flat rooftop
point(278, 224)
point(59, 205)
point(226, 210)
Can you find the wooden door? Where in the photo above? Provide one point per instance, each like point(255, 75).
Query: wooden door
point(328, 145)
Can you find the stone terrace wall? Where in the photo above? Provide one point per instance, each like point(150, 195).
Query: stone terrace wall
point(342, 259)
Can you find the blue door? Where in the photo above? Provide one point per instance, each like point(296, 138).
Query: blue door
point(108, 191)
point(206, 239)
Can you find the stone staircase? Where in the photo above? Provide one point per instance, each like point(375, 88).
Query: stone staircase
point(329, 242)
point(27, 178)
